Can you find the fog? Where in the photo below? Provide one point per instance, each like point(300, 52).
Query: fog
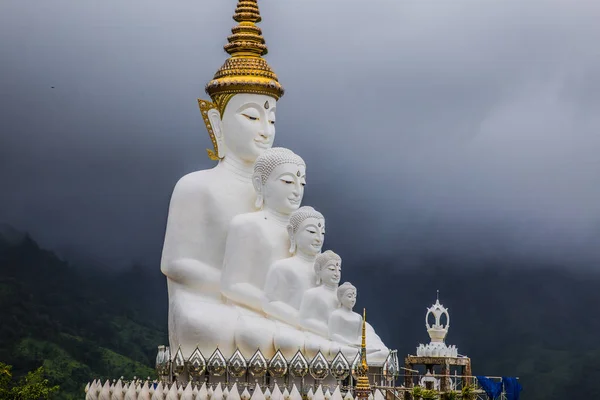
point(463, 129)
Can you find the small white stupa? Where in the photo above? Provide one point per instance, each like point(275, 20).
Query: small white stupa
point(437, 332)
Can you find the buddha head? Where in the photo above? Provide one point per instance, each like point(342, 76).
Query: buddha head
point(279, 179)
point(241, 116)
point(306, 230)
point(245, 128)
point(328, 268)
point(346, 295)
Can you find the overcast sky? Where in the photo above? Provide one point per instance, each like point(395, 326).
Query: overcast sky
point(430, 127)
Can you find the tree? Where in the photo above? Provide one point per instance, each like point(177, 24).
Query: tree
point(33, 386)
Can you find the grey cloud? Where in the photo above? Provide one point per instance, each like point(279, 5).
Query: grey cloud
point(462, 128)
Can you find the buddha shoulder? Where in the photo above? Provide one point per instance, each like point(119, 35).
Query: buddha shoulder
point(194, 183)
point(247, 222)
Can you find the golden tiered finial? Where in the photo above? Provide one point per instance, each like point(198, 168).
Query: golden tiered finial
point(363, 346)
point(363, 387)
point(245, 71)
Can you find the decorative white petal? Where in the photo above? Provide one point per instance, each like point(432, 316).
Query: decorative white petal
point(131, 393)
point(319, 394)
point(378, 395)
point(202, 393)
point(144, 393)
point(310, 394)
point(267, 393)
point(158, 392)
point(234, 393)
point(117, 393)
point(327, 394)
point(286, 394)
point(245, 394)
point(348, 396)
point(257, 394)
point(217, 393)
point(105, 391)
point(188, 393)
point(276, 394)
point(172, 393)
point(337, 394)
point(295, 393)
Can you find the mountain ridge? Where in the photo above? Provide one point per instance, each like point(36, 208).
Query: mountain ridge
point(83, 323)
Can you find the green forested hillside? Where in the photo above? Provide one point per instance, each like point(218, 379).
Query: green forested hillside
point(75, 322)
point(539, 324)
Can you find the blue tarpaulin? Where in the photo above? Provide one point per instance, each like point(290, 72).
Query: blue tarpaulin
point(512, 388)
point(491, 388)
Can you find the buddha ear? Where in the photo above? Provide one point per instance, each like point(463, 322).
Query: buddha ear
point(257, 183)
point(214, 118)
point(290, 231)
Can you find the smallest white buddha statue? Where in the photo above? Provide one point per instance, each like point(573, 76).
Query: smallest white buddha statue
point(318, 303)
point(345, 327)
point(344, 324)
point(289, 278)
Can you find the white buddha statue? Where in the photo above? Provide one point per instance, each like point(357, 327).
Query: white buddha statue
point(240, 121)
point(255, 240)
point(345, 327)
point(289, 278)
point(319, 302)
point(344, 324)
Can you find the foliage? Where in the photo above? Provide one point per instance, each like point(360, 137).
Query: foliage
point(467, 392)
point(33, 386)
point(419, 392)
point(78, 324)
point(81, 323)
point(450, 395)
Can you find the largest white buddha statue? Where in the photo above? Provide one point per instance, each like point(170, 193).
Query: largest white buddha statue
point(241, 123)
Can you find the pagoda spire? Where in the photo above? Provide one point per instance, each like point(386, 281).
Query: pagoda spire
point(246, 39)
point(245, 71)
point(363, 386)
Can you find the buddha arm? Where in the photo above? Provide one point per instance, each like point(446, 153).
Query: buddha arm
point(341, 339)
point(189, 255)
point(306, 316)
point(243, 251)
point(336, 330)
point(315, 326)
point(190, 272)
point(282, 311)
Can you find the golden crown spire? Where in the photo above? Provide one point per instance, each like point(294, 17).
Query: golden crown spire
point(245, 71)
point(363, 387)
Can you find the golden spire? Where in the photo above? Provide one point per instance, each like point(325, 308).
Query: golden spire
point(245, 71)
point(363, 346)
point(363, 387)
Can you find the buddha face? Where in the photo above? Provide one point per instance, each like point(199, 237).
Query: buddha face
point(310, 236)
point(248, 125)
point(284, 189)
point(331, 273)
point(348, 300)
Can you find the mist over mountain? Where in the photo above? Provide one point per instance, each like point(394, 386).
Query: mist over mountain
point(533, 322)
